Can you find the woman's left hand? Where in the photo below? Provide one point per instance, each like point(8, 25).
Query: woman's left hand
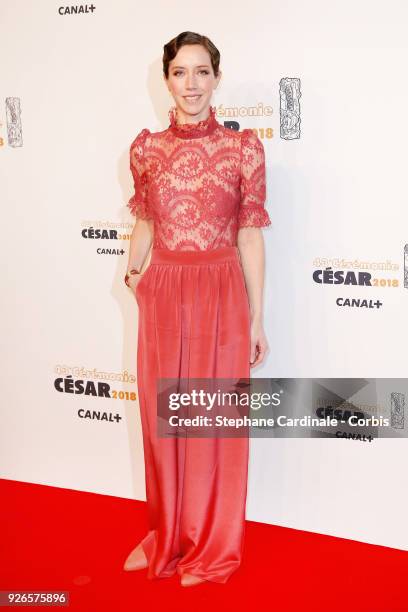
point(259, 343)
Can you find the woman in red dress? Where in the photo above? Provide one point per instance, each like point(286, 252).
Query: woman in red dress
point(199, 201)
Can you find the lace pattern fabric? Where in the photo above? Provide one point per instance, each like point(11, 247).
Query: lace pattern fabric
point(199, 183)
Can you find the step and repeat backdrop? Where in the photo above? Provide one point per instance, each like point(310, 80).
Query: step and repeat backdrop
point(322, 86)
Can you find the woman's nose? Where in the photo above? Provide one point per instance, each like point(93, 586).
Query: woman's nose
point(191, 81)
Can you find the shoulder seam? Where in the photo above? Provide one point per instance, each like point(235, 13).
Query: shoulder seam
point(144, 134)
point(140, 139)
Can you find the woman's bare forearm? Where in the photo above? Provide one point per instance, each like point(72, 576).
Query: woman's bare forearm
point(140, 242)
point(251, 247)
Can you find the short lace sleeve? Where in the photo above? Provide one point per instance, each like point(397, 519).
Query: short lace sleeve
point(252, 210)
point(138, 203)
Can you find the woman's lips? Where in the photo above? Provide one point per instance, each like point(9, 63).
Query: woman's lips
point(194, 98)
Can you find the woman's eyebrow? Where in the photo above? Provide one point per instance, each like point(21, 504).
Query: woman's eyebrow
point(200, 66)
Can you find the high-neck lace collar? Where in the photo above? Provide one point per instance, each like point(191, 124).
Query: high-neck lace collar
point(192, 130)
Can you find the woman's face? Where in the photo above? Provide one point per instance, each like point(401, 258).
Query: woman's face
point(191, 82)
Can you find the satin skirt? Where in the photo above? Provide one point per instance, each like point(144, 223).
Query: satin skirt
point(194, 322)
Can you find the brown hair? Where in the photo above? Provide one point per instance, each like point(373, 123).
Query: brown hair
point(190, 38)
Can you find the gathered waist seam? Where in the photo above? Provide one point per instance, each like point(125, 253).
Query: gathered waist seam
point(220, 255)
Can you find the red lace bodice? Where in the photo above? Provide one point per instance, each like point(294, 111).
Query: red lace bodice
point(198, 182)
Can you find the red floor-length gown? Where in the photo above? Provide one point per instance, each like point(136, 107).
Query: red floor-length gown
point(199, 183)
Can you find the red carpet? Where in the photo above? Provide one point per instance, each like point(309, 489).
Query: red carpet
point(58, 539)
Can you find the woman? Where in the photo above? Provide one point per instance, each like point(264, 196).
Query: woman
point(199, 201)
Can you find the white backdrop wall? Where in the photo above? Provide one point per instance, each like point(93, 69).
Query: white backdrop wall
point(86, 84)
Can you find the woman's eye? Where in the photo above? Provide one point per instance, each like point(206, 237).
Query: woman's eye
point(177, 72)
